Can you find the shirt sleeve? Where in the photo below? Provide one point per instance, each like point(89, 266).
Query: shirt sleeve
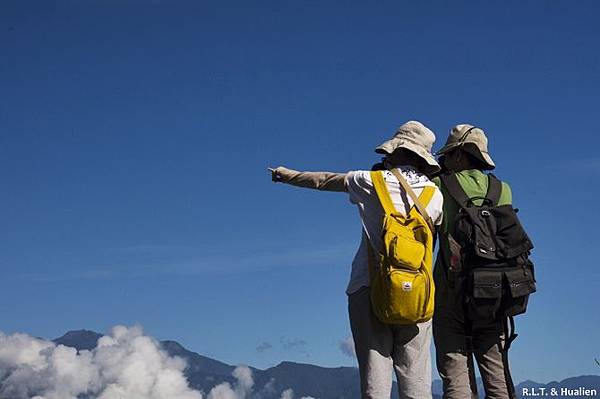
point(506, 195)
point(359, 185)
point(324, 181)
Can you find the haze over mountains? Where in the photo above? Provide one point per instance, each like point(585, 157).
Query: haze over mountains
point(305, 380)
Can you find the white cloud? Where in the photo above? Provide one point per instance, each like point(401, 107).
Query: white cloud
point(269, 387)
point(241, 389)
point(125, 364)
point(347, 347)
point(289, 394)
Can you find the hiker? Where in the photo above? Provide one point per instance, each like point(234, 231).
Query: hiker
point(385, 346)
point(473, 301)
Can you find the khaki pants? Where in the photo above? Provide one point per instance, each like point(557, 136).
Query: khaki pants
point(454, 362)
point(382, 347)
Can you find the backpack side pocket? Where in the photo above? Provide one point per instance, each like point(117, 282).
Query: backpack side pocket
point(486, 296)
point(521, 283)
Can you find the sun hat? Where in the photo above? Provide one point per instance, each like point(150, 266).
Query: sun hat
point(473, 140)
point(413, 136)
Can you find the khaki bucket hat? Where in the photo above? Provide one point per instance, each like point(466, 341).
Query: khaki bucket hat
point(413, 136)
point(473, 140)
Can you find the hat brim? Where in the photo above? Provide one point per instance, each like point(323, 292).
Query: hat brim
point(388, 148)
point(447, 148)
point(472, 149)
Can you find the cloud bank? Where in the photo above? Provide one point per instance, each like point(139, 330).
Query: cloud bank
point(125, 364)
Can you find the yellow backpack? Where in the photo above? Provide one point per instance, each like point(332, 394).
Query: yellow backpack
point(401, 276)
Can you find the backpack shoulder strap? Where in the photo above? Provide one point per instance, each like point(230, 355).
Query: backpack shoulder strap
point(382, 191)
point(426, 195)
point(417, 203)
point(424, 199)
point(450, 181)
point(494, 189)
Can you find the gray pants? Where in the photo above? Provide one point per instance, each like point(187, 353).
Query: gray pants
point(454, 360)
point(382, 347)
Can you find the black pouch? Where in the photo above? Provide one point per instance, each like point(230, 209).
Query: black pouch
point(511, 238)
point(486, 295)
point(521, 283)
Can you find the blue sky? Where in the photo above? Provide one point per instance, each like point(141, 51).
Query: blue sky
point(135, 137)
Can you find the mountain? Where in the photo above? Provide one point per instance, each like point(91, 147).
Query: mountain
point(315, 381)
point(203, 373)
point(79, 339)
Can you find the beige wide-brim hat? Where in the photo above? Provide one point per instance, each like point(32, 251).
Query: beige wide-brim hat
point(416, 137)
point(473, 140)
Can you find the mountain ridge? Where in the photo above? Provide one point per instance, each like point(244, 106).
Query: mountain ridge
point(305, 379)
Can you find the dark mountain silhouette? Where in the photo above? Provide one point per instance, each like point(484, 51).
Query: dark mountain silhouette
point(79, 339)
point(204, 373)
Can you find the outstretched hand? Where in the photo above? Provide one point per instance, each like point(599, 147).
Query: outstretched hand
point(276, 177)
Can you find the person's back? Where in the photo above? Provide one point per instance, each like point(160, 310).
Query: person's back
point(362, 193)
point(381, 347)
point(475, 184)
point(457, 334)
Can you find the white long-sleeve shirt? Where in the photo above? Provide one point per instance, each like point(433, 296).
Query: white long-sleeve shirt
point(363, 195)
point(359, 186)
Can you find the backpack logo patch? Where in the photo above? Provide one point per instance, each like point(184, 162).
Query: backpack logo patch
point(406, 286)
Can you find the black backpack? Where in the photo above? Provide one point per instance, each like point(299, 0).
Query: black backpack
point(490, 271)
point(492, 268)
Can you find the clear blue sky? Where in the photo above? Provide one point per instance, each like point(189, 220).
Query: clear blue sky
point(135, 136)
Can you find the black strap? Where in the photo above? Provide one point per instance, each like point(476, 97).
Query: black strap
point(470, 351)
point(508, 339)
point(512, 336)
point(494, 189)
point(455, 190)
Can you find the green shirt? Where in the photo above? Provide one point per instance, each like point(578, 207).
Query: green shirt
point(475, 184)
